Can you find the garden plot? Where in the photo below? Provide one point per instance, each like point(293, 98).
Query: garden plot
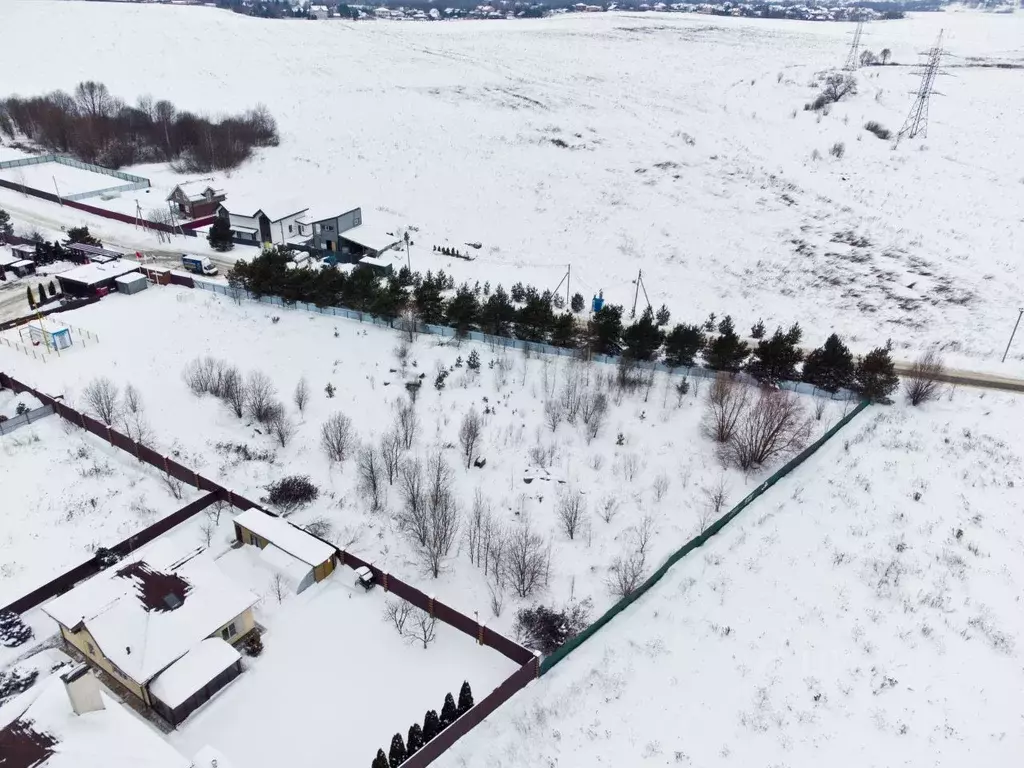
point(13, 404)
point(865, 611)
point(334, 682)
point(65, 493)
point(58, 179)
point(638, 489)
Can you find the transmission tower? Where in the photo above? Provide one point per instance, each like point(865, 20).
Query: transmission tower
point(917, 121)
point(853, 57)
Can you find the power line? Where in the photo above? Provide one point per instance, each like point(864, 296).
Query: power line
point(917, 120)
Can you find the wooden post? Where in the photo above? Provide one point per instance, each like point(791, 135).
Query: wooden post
point(431, 605)
point(196, 476)
point(166, 470)
point(81, 418)
point(109, 438)
point(385, 580)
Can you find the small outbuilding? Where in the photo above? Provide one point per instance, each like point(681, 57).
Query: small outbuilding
point(23, 252)
point(52, 336)
point(378, 264)
point(94, 279)
point(367, 241)
point(193, 679)
point(131, 283)
point(23, 268)
point(300, 557)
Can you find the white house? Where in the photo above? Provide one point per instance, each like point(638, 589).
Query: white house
point(278, 225)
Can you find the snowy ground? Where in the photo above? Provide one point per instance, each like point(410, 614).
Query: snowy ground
point(335, 681)
point(864, 612)
point(676, 144)
point(66, 492)
point(528, 465)
point(58, 178)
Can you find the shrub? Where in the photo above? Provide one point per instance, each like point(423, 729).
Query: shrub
point(16, 681)
point(465, 698)
point(773, 426)
point(292, 492)
point(548, 629)
point(837, 150)
point(21, 409)
point(923, 381)
point(449, 712)
point(876, 128)
point(13, 631)
point(253, 644)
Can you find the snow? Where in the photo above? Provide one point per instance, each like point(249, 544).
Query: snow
point(69, 180)
point(293, 570)
point(682, 154)
point(9, 402)
point(292, 540)
point(65, 493)
point(91, 274)
point(864, 611)
point(375, 261)
point(109, 738)
point(369, 237)
point(141, 641)
point(22, 264)
point(193, 671)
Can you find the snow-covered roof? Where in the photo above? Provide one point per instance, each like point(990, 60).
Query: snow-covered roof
point(292, 540)
point(48, 734)
point(193, 671)
point(239, 228)
point(131, 279)
point(291, 568)
point(368, 237)
point(49, 327)
point(326, 211)
point(275, 207)
point(23, 249)
point(23, 263)
point(375, 261)
point(6, 259)
point(91, 274)
point(195, 190)
point(151, 609)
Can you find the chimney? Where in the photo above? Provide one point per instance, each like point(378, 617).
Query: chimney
point(83, 690)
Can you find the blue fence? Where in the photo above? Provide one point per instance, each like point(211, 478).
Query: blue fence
point(133, 182)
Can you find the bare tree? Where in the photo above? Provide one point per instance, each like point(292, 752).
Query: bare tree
point(573, 391)
point(174, 486)
point(572, 511)
point(773, 426)
point(643, 535)
point(629, 466)
point(422, 628)
point(259, 396)
point(552, 414)
point(922, 383)
point(132, 399)
point(101, 398)
point(715, 495)
point(626, 574)
point(282, 425)
point(301, 395)
point(136, 427)
point(401, 351)
point(593, 409)
point(434, 524)
point(371, 476)
point(320, 527)
point(726, 401)
point(337, 437)
point(478, 528)
point(444, 532)
point(469, 435)
point(525, 561)
point(203, 375)
point(838, 85)
point(413, 518)
point(391, 455)
point(397, 613)
point(215, 510)
point(406, 424)
point(661, 483)
point(278, 587)
point(608, 508)
point(233, 391)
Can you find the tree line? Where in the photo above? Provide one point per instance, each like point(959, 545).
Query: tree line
point(526, 313)
point(95, 126)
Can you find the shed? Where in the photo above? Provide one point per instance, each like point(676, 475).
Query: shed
point(378, 264)
point(131, 283)
point(53, 337)
point(24, 252)
point(368, 240)
point(23, 267)
point(94, 279)
point(193, 679)
point(308, 558)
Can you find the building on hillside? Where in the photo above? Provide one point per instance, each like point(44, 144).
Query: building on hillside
point(94, 279)
point(23, 267)
point(300, 557)
point(324, 225)
point(23, 252)
point(320, 12)
point(367, 241)
point(69, 721)
point(195, 199)
point(145, 622)
point(253, 224)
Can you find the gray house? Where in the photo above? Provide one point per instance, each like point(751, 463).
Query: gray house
point(324, 225)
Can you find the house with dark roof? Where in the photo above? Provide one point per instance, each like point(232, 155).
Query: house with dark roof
point(195, 199)
point(162, 623)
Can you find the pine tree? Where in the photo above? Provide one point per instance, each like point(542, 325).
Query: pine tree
point(449, 711)
point(605, 330)
point(473, 361)
point(6, 229)
point(31, 298)
point(830, 367)
point(682, 345)
point(220, 236)
point(398, 754)
point(757, 330)
point(535, 318)
point(414, 742)
point(463, 310)
point(662, 316)
point(795, 334)
point(380, 761)
point(642, 340)
point(726, 352)
point(465, 698)
point(876, 378)
point(81, 235)
point(577, 302)
point(431, 725)
point(13, 631)
point(776, 359)
point(52, 289)
point(497, 313)
point(429, 303)
point(564, 331)
point(42, 293)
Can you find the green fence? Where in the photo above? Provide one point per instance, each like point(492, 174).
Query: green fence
point(694, 543)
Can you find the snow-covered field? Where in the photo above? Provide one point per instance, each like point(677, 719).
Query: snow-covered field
point(58, 178)
point(614, 142)
point(866, 611)
point(64, 493)
point(649, 467)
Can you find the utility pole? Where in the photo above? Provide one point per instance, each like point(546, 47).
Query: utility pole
point(917, 121)
point(636, 293)
point(408, 259)
point(568, 276)
point(1019, 313)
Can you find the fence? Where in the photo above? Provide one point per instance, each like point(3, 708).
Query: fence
point(133, 182)
point(65, 307)
point(9, 425)
point(698, 541)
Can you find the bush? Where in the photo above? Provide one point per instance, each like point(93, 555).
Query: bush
point(837, 150)
point(548, 629)
point(876, 128)
point(923, 381)
point(13, 631)
point(253, 645)
point(21, 409)
point(876, 377)
point(16, 681)
point(290, 493)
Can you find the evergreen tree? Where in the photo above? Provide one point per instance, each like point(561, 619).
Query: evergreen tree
point(42, 293)
point(52, 289)
point(220, 235)
point(473, 361)
point(414, 742)
point(431, 725)
point(663, 316)
point(31, 298)
point(13, 631)
point(380, 761)
point(775, 359)
point(642, 340)
point(876, 378)
point(605, 330)
point(757, 330)
point(709, 324)
point(397, 755)
point(726, 352)
point(795, 334)
point(361, 289)
point(81, 235)
point(390, 300)
point(564, 331)
point(429, 304)
point(518, 293)
point(449, 711)
point(6, 228)
point(465, 698)
point(830, 367)
point(57, 251)
point(682, 345)
point(535, 318)
point(497, 314)
point(3, 274)
point(463, 310)
point(577, 302)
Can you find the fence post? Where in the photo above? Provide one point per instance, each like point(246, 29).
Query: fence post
point(385, 580)
point(430, 604)
point(109, 438)
point(166, 470)
point(81, 418)
point(196, 476)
